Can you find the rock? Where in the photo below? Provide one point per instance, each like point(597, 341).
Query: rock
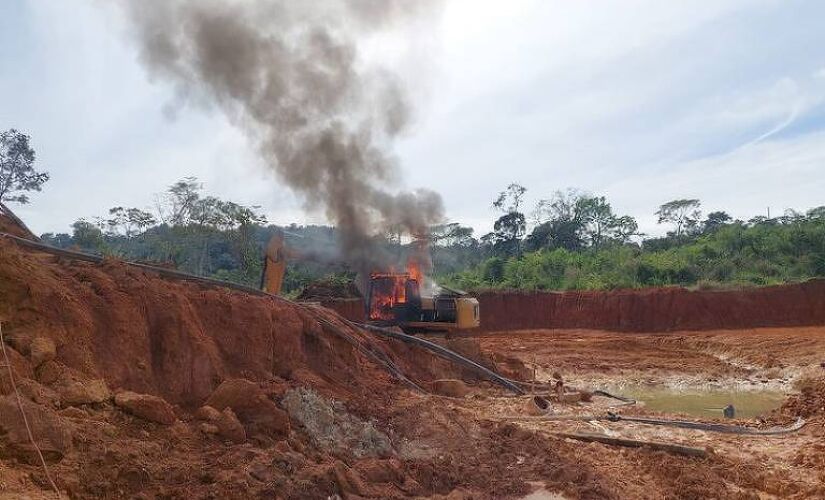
point(450, 387)
point(513, 368)
point(208, 428)
point(42, 349)
point(570, 397)
point(350, 482)
point(146, 406)
point(49, 372)
point(83, 392)
point(19, 364)
point(207, 413)
point(380, 470)
point(230, 427)
point(38, 393)
point(332, 428)
point(19, 341)
point(253, 408)
point(53, 434)
point(74, 412)
point(469, 348)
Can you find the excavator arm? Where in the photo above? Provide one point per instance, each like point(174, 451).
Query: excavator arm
point(272, 279)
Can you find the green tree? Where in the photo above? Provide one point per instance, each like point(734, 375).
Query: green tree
point(87, 235)
point(683, 214)
point(17, 173)
point(128, 222)
point(558, 222)
point(714, 221)
point(510, 227)
point(596, 216)
point(817, 213)
point(624, 228)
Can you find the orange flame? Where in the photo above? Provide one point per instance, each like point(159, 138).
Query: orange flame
point(387, 291)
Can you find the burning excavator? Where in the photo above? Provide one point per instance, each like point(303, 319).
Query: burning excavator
point(391, 298)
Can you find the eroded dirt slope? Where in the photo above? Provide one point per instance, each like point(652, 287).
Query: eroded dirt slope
point(656, 309)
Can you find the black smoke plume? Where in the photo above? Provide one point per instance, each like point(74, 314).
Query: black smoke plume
point(292, 75)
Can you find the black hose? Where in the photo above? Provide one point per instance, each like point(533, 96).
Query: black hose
point(444, 353)
point(626, 400)
point(683, 424)
point(702, 426)
point(598, 392)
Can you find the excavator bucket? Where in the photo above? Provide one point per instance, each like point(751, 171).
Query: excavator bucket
point(274, 265)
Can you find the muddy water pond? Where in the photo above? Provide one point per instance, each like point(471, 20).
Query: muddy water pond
point(706, 403)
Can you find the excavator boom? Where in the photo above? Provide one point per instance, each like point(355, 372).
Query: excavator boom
point(272, 279)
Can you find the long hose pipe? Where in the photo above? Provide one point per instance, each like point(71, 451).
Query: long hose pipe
point(682, 424)
point(445, 353)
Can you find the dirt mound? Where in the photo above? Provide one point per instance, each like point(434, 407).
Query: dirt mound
point(656, 310)
point(174, 339)
point(329, 289)
point(810, 402)
point(343, 298)
point(11, 224)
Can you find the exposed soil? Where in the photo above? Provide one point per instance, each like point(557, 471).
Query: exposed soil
point(296, 409)
point(326, 289)
point(657, 309)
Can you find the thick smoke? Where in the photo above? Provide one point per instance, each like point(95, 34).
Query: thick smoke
point(290, 72)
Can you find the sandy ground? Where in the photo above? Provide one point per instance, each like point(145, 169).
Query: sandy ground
point(746, 360)
point(768, 358)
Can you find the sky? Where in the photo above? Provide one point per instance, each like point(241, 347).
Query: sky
point(641, 101)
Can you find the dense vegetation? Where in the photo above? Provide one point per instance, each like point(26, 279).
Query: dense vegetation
point(763, 253)
point(579, 243)
point(202, 235)
point(575, 242)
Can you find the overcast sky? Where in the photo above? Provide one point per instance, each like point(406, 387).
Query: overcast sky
point(641, 101)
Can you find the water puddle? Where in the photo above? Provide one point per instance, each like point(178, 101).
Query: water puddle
point(706, 403)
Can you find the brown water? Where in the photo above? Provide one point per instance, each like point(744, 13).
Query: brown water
point(709, 403)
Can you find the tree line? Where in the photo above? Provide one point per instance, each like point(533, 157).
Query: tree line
point(569, 240)
point(578, 242)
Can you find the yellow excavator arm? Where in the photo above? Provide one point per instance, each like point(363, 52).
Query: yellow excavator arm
point(272, 278)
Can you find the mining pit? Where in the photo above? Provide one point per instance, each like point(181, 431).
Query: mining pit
point(138, 385)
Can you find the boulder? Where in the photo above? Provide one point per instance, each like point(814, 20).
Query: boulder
point(253, 408)
point(146, 406)
point(19, 364)
point(52, 433)
point(49, 372)
point(83, 392)
point(207, 413)
point(229, 427)
point(42, 349)
point(38, 393)
point(450, 387)
point(208, 428)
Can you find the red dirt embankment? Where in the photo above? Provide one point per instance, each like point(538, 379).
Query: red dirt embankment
point(656, 310)
point(174, 339)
